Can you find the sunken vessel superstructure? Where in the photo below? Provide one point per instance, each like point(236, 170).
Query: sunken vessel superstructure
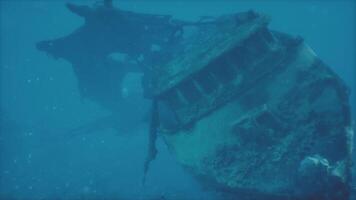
point(252, 112)
point(257, 113)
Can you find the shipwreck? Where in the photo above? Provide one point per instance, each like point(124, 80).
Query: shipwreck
point(258, 114)
point(253, 112)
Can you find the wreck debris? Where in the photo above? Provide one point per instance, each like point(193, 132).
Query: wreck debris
point(140, 40)
point(152, 137)
point(106, 31)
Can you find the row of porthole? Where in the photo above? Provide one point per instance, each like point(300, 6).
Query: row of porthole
point(217, 73)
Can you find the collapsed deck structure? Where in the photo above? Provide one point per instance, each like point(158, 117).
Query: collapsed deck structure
point(257, 113)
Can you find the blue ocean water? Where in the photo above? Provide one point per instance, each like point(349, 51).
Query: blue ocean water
point(40, 100)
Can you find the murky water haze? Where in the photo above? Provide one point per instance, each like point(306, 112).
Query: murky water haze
point(40, 100)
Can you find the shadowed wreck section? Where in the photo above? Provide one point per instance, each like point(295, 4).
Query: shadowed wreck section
point(111, 44)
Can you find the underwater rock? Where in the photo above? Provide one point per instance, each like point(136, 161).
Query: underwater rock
point(259, 115)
